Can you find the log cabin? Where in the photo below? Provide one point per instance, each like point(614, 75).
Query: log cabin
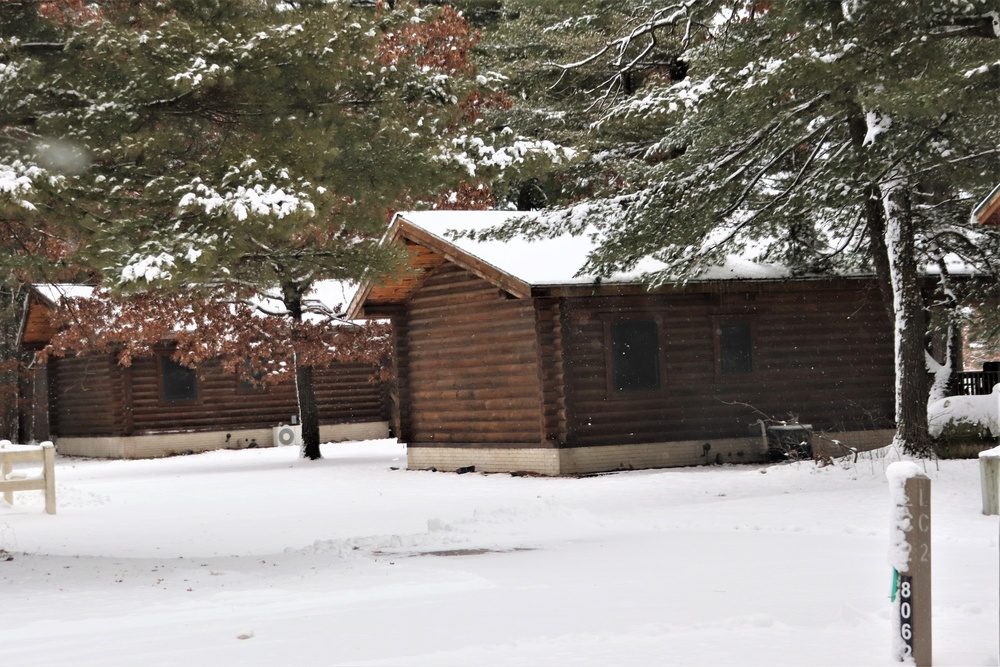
point(508, 361)
point(89, 405)
point(987, 212)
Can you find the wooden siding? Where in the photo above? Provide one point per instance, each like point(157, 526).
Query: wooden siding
point(421, 261)
point(85, 396)
point(38, 329)
point(349, 393)
point(553, 375)
point(402, 423)
point(822, 355)
point(93, 396)
point(468, 364)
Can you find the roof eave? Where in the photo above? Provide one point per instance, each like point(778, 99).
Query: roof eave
point(713, 285)
point(989, 208)
point(452, 253)
point(356, 310)
point(401, 229)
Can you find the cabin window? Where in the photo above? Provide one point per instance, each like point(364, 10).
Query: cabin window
point(178, 382)
point(635, 355)
point(735, 347)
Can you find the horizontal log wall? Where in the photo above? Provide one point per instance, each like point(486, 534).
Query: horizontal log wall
point(549, 321)
point(344, 393)
point(85, 396)
point(821, 355)
point(468, 364)
point(93, 396)
point(350, 393)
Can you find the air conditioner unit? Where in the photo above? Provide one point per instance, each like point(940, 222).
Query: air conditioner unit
point(287, 435)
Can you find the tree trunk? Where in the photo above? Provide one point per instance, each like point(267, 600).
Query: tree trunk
point(875, 218)
point(304, 389)
point(11, 311)
point(943, 372)
point(910, 324)
point(893, 253)
point(308, 412)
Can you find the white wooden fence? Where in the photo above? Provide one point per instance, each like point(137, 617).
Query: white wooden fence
point(44, 454)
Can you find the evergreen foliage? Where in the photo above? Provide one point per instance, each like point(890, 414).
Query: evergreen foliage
point(201, 141)
point(541, 48)
point(819, 135)
point(242, 145)
point(238, 145)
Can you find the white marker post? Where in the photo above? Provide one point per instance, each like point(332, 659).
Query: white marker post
point(989, 474)
point(910, 557)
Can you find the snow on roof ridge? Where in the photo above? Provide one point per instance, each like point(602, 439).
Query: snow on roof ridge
point(56, 292)
point(555, 261)
point(330, 295)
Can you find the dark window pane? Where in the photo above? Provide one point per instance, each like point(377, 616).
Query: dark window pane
point(735, 348)
point(635, 355)
point(180, 383)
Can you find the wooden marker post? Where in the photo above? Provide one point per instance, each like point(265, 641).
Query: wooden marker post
point(910, 555)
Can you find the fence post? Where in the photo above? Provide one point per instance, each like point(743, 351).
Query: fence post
point(989, 477)
point(49, 471)
point(910, 556)
point(5, 469)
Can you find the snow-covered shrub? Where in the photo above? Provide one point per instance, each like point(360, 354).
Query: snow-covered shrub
point(965, 414)
point(963, 425)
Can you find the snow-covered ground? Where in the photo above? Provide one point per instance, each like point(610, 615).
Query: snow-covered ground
point(255, 557)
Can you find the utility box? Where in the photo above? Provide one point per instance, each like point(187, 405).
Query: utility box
point(287, 435)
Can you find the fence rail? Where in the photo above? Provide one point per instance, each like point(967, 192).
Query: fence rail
point(44, 454)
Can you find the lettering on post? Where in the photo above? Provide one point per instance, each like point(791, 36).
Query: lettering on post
point(906, 614)
point(910, 555)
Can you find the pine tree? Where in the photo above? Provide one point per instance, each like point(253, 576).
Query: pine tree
point(541, 48)
point(239, 145)
point(818, 134)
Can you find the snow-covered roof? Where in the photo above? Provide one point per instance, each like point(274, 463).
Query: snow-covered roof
point(54, 293)
point(326, 298)
point(517, 265)
point(555, 261)
point(523, 266)
point(545, 261)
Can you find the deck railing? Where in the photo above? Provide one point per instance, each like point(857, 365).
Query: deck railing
point(974, 383)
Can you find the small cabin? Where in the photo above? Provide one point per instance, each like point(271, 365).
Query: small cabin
point(90, 405)
point(507, 360)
